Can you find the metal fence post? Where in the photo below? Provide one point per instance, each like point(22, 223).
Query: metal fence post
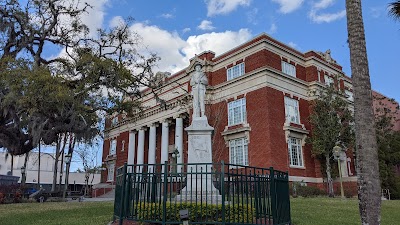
point(273, 193)
point(122, 210)
point(165, 190)
point(223, 191)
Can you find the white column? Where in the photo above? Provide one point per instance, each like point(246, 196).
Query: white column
point(140, 153)
point(131, 148)
point(179, 141)
point(164, 142)
point(152, 147)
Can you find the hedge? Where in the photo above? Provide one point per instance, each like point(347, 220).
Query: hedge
point(197, 212)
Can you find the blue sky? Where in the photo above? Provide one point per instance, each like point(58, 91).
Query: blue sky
point(178, 29)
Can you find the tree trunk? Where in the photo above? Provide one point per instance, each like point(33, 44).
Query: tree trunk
point(57, 155)
point(62, 161)
point(38, 180)
point(367, 166)
point(12, 165)
point(23, 180)
point(329, 177)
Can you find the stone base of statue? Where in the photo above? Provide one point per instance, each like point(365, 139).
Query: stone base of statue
point(199, 182)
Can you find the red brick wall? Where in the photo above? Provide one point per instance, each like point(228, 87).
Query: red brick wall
point(122, 156)
point(349, 188)
point(311, 73)
point(301, 72)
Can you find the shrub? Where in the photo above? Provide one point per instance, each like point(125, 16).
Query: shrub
point(309, 191)
point(197, 212)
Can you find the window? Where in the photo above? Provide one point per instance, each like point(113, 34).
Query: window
point(295, 152)
point(123, 146)
point(236, 112)
point(329, 80)
point(288, 69)
point(349, 95)
point(113, 147)
point(292, 110)
point(110, 174)
point(238, 151)
point(114, 121)
point(235, 71)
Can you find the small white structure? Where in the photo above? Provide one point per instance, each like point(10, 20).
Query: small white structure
point(46, 169)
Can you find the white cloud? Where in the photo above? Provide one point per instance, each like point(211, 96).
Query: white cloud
point(93, 19)
point(376, 12)
point(206, 25)
point(176, 52)
point(95, 16)
point(116, 21)
point(216, 42)
point(252, 16)
point(317, 17)
point(216, 7)
point(323, 4)
point(293, 45)
point(167, 15)
point(185, 30)
point(288, 6)
point(272, 29)
point(167, 45)
point(326, 17)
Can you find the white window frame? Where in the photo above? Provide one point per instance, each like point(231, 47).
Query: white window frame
point(288, 69)
point(349, 95)
point(329, 80)
point(113, 147)
point(295, 151)
point(114, 121)
point(235, 71)
point(236, 157)
point(110, 172)
point(292, 107)
point(123, 145)
point(237, 107)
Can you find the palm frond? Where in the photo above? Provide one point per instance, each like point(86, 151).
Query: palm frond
point(394, 9)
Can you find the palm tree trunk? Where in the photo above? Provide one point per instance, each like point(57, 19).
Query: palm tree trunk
point(329, 177)
point(366, 147)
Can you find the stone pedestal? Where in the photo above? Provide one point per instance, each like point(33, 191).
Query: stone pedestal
point(199, 184)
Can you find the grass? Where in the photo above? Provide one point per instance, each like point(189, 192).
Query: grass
point(57, 213)
point(328, 211)
point(305, 211)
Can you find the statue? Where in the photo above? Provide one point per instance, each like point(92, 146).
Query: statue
point(198, 82)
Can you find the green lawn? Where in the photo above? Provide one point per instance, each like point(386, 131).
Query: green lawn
point(327, 211)
point(56, 213)
point(305, 211)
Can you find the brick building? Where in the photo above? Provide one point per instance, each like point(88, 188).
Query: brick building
point(258, 101)
point(384, 105)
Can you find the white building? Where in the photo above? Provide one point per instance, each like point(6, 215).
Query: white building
point(46, 169)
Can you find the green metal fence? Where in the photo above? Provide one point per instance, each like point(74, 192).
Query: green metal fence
point(216, 193)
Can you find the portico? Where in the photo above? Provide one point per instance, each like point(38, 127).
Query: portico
point(143, 142)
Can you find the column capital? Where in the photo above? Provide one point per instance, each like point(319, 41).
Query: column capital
point(182, 116)
point(167, 120)
point(134, 131)
point(144, 128)
point(155, 124)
